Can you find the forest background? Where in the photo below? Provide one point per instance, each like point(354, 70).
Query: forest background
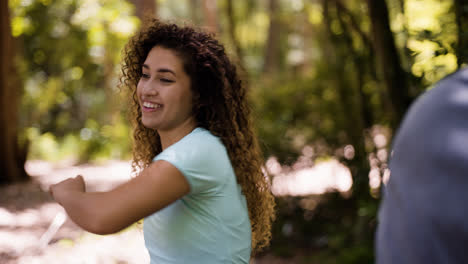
point(329, 81)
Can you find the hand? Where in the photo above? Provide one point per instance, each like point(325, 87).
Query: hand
point(67, 186)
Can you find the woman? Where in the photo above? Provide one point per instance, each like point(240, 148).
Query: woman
point(200, 187)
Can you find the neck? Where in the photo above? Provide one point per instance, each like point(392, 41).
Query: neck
point(171, 136)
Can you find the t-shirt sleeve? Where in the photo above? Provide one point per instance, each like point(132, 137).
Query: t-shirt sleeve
point(202, 160)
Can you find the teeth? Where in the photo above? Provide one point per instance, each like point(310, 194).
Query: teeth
point(151, 105)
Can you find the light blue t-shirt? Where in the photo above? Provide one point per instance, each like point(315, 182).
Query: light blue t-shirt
point(210, 224)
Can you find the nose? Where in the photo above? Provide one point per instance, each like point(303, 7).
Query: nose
point(149, 89)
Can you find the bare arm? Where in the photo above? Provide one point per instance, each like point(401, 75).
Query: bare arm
point(108, 212)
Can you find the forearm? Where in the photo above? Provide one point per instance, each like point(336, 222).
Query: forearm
point(108, 212)
point(94, 212)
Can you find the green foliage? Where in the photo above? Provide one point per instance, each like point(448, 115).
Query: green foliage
point(69, 63)
point(325, 231)
point(42, 146)
point(93, 142)
point(295, 113)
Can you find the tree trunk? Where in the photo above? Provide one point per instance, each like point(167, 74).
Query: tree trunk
point(461, 11)
point(232, 34)
point(12, 157)
point(353, 102)
point(388, 61)
point(361, 62)
point(210, 14)
point(349, 98)
point(272, 53)
point(144, 8)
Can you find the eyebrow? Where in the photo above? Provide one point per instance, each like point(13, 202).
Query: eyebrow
point(162, 70)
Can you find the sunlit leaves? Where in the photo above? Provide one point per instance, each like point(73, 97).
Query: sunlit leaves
point(425, 14)
point(315, 13)
point(431, 37)
point(20, 25)
point(249, 35)
point(75, 73)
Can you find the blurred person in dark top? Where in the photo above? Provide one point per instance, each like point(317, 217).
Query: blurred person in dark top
point(423, 217)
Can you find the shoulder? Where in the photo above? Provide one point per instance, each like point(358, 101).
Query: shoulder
point(201, 158)
point(434, 131)
point(198, 146)
point(450, 92)
point(438, 110)
point(203, 141)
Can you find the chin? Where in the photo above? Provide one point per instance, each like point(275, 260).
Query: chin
point(149, 125)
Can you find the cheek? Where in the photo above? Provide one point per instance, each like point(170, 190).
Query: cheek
point(188, 102)
point(138, 88)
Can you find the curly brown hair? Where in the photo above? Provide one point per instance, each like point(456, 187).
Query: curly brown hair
point(219, 105)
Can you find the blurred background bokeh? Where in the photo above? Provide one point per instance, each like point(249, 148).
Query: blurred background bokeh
point(329, 82)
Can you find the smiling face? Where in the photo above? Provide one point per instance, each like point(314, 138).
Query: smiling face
point(164, 91)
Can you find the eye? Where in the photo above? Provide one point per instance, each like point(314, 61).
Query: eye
point(166, 80)
point(145, 76)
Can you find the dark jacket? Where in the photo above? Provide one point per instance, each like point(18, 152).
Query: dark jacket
point(423, 217)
